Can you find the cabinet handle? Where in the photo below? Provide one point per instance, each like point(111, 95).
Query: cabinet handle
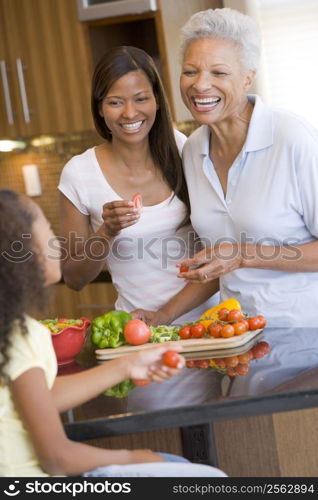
point(24, 99)
point(6, 92)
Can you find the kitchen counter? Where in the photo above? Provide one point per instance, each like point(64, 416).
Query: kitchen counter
point(263, 410)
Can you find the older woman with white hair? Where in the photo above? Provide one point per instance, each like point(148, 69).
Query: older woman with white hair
point(252, 175)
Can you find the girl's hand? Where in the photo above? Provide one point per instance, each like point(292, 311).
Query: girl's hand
point(119, 214)
point(212, 262)
point(147, 363)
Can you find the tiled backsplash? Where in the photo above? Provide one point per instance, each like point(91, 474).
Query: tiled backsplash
point(50, 159)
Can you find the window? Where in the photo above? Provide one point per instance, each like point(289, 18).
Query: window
point(288, 77)
point(290, 54)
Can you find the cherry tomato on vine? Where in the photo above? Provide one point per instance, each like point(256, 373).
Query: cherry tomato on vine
point(203, 363)
point(197, 331)
point(254, 323)
point(246, 323)
point(185, 332)
point(220, 363)
point(239, 327)
point(244, 358)
point(231, 372)
point(214, 330)
point(234, 315)
point(265, 346)
point(242, 369)
point(262, 321)
point(258, 351)
point(190, 363)
point(227, 331)
point(231, 361)
point(223, 313)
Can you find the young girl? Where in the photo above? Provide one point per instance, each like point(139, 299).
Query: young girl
point(31, 396)
point(140, 248)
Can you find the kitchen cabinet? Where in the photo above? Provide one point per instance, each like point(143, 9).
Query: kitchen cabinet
point(93, 300)
point(172, 15)
point(46, 64)
point(158, 34)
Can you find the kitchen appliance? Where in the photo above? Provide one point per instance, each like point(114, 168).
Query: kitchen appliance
point(99, 9)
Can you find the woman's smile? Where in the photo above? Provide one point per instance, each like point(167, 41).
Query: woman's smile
point(204, 103)
point(132, 127)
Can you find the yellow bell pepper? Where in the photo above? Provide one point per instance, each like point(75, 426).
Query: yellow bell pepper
point(212, 314)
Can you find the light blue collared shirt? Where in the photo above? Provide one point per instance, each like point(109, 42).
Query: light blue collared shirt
point(271, 199)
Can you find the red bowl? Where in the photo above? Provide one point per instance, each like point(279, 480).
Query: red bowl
point(69, 342)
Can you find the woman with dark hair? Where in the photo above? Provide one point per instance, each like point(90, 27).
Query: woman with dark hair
point(28, 367)
point(99, 222)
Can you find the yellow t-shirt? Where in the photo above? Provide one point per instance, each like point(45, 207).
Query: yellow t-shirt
point(17, 455)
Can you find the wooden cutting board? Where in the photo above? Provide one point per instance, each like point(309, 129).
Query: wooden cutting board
point(190, 346)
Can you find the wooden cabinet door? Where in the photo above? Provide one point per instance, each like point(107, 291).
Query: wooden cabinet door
point(51, 66)
point(8, 115)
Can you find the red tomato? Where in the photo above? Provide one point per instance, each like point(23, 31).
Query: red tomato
point(219, 362)
point(62, 320)
point(239, 327)
point(227, 331)
point(254, 323)
point(197, 331)
point(246, 323)
point(242, 369)
point(223, 313)
point(251, 354)
point(140, 381)
point(137, 200)
point(185, 332)
point(203, 363)
point(136, 332)
point(214, 330)
point(234, 315)
point(171, 359)
point(262, 321)
point(231, 372)
point(184, 269)
point(190, 363)
point(265, 346)
point(231, 361)
point(244, 358)
point(258, 351)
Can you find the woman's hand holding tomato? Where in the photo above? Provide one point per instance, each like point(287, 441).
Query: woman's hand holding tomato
point(212, 262)
point(118, 215)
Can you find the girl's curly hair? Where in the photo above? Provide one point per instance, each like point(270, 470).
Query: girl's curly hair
point(21, 275)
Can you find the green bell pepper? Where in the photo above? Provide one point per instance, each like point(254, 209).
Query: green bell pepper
point(107, 330)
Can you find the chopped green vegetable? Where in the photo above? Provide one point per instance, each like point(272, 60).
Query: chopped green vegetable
point(163, 333)
point(120, 390)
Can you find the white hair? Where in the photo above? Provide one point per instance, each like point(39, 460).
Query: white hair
point(225, 24)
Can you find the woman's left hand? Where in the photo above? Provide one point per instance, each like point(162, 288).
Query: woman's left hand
point(212, 262)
